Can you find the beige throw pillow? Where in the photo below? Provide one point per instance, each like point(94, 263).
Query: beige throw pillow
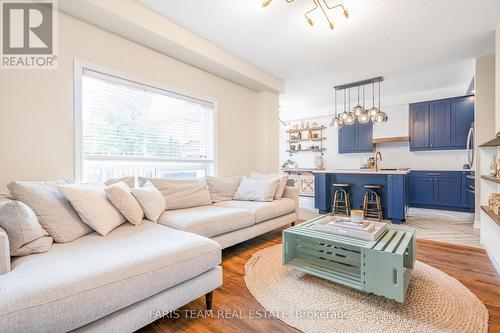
point(94, 208)
point(26, 235)
point(130, 181)
point(151, 201)
point(256, 190)
point(273, 176)
point(121, 197)
point(222, 188)
point(179, 194)
point(54, 211)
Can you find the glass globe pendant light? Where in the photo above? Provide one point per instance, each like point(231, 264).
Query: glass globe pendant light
point(374, 110)
point(380, 117)
point(363, 118)
point(336, 121)
point(344, 115)
point(358, 109)
point(350, 118)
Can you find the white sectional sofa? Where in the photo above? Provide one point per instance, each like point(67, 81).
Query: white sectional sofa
point(121, 281)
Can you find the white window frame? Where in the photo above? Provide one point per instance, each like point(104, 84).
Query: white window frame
point(80, 66)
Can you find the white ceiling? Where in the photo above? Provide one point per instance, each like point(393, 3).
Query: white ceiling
point(416, 45)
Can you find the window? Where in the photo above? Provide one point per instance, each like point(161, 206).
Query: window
point(129, 128)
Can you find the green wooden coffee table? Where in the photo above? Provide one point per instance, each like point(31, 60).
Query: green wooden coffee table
point(382, 267)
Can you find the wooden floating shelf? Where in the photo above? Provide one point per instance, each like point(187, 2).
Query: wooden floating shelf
point(298, 151)
point(492, 215)
point(306, 129)
point(491, 179)
point(492, 143)
point(391, 139)
point(313, 139)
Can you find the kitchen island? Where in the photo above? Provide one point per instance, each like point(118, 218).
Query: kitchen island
point(394, 193)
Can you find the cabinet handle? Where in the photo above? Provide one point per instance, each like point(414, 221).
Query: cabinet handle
point(433, 174)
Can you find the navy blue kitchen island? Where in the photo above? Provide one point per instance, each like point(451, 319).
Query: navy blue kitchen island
point(394, 193)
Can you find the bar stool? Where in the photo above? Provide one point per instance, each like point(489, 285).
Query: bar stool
point(341, 200)
point(372, 205)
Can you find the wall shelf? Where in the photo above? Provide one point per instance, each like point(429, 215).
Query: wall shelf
point(319, 128)
point(298, 151)
point(494, 217)
point(302, 140)
point(391, 139)
point(495, 142)
point(491, 179)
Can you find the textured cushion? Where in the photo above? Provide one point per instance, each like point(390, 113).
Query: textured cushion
point(273, 176)
point(54, 211)
point(130, 181)
point(121, 197)
point(26, 235)
point(263, 210)
point(256, 190)
point(222, 188)
point(207, 221)
point(151, 201)
point(180, 194)
point(91, 203)
point(79, 282)
point(4, 252)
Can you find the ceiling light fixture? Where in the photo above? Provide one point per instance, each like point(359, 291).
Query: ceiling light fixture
point(321, 4)
point(359, 113)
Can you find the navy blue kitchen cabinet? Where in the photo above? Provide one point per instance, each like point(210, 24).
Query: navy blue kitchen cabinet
point(442, 124)
point(322, 192)
point(447, 191)
point(421, 191)
point(397, 197)
point(440, 190)
point(462, 118)
point(356, 138)
point(394, 192)
point(419, 126)
point(439, 116)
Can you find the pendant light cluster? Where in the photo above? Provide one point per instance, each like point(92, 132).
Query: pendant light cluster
point(359, 113)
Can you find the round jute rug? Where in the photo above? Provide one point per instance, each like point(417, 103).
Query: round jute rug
point(435, 301)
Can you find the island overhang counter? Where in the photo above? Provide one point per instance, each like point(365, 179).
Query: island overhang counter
point(394, 192)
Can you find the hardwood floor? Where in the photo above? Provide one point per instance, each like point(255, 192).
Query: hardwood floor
point(469, 265)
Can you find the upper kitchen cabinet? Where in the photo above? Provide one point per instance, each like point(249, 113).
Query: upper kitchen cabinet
point(462, 118)
point(441, 125)
point(356, 138)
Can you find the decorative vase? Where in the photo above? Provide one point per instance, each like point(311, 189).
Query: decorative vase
point(320, 163)
point(494, 167)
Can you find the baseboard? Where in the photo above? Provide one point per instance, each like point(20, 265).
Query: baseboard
point(477, 224)
point(492, 258)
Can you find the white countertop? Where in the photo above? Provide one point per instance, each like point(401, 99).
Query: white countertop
point(364, 171)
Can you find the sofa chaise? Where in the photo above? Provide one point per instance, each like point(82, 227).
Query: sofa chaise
point(133, 275)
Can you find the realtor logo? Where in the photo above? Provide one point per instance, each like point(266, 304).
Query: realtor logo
point(28, 34)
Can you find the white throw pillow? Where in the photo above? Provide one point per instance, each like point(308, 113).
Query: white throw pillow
point(94, 208)
point(273, 176)
point(179, 194)
point(121, 197)
point(54, 211)
point(151, 201)
point(26, 235)
point(222, 188)
point(256, 190)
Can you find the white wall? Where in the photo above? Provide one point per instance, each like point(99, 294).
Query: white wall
point(484, 113)
point(393, 154)
point(36, 106)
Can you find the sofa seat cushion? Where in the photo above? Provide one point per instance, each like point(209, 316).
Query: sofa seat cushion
point(79, 282)
point(208, 221)
point(263, 210)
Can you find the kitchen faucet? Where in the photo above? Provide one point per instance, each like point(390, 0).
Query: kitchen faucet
point(378, 158)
